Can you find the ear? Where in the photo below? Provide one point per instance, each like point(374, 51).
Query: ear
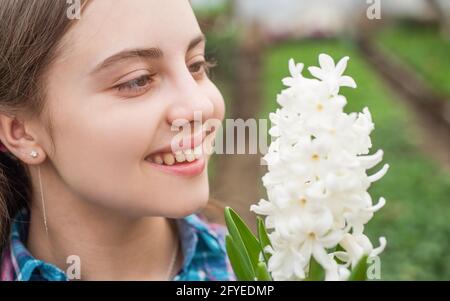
point(20, 140)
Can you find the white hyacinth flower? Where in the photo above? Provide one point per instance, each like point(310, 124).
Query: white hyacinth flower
point(317, 181)
point(331, 74)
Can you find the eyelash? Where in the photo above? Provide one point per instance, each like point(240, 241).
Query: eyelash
point(205, 66)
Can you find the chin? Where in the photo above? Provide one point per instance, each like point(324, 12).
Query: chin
point(188, 206)
point(185, 202)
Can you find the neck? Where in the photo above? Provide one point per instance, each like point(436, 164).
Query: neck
point(110, 245)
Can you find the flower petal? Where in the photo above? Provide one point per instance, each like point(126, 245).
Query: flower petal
point(322, 257)
point(347, 81)
point(378, 250)
point(331, 239)
point(263, 208)
point(293, 68)
point(288, 81)
point(371, 160)
point(378, 206)
point(326, 62)
point(341, 65)
point(379, 174)
point(317, 72)
point(300, 68)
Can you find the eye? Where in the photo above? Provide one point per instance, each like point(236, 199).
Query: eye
point(201, 67)
point(136, 86)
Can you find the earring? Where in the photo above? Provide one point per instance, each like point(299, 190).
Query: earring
point(43, 201)
point(34, 154)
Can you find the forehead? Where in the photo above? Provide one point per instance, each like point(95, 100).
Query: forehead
point(109, 26)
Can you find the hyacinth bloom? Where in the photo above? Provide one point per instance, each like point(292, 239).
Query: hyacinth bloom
point(317, 181)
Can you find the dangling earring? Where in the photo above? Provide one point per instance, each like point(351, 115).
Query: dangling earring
point(34, 155)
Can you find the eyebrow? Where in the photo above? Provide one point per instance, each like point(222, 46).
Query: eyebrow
point(147, 53)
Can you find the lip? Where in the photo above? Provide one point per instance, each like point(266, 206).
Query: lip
point(191, 169)
point(186, 143)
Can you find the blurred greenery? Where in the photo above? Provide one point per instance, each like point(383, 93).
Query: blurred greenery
point(211, 9)
point(423, 48)
point(415, 219)
point(221, 48)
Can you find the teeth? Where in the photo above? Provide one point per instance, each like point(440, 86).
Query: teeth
point(157, 159)
point(189, 154)
point(169, 159)
point(198, 151)
point(180, 157)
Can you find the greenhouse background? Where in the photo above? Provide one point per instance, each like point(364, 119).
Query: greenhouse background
point(399, 57)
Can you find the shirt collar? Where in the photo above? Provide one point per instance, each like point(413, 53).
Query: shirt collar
point(25, 266)
point(193, 229)
point(18, 264)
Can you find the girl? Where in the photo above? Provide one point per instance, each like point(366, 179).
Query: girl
point(91, 186)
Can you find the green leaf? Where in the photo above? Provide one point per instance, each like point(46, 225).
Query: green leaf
point(359, 272)
point(263, 239)
point(262, 274)
point(239, 265)
point(238, 243)
point(245, 240)
point(316, 271)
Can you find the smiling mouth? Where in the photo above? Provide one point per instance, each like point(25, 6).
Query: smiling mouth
point(183, 156)
point(169, 158)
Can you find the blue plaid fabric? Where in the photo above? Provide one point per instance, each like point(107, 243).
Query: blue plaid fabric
point(202, 244)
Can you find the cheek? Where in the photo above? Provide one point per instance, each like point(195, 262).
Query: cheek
point(117, 133)
point(98, 150)
point(217, 99)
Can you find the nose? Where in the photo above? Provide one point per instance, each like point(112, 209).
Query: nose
point(190, 103)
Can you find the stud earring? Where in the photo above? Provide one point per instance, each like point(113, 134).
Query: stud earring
point(34, 154)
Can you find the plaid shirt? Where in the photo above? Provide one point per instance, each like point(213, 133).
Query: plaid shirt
point(202, 245)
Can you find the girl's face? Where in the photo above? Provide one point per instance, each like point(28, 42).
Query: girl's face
point(113, 98)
